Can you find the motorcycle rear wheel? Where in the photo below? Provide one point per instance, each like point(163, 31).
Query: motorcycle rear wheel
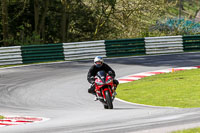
point(108, 100)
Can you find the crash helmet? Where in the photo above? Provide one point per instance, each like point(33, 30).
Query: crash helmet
point(98, 61)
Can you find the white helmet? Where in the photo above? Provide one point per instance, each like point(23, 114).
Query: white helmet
point(98, 59)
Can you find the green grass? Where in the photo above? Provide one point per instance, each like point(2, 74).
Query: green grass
point(29, 63)
point(193, 130)
point(11, 65)
point(178, 89)
point(1, 117)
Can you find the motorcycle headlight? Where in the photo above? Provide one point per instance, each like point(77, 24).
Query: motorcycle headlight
point(109, 80)
point(99, 83)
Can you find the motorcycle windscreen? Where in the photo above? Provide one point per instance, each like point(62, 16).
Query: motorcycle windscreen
point(102, 76)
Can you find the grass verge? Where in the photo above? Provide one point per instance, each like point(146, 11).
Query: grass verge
point(178, 89)
point(2, 117)
point(15, 65)
point(193, 130)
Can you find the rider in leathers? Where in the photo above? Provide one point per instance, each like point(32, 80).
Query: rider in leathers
point(98, 66)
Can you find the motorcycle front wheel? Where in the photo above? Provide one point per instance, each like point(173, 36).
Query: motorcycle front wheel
point(105, 107)
point(108, 100)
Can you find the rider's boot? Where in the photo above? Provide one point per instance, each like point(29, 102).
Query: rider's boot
point(115, 93)
point(96, 98)
point(115, 87)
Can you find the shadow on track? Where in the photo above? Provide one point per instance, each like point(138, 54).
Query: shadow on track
point(125, 108)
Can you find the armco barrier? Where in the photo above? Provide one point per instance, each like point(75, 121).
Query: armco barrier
point(10, 55)
point(105, 48)
point(191, 43)
point(125, 47)
point(165, 44)
point(84, 50)
point(42, 53)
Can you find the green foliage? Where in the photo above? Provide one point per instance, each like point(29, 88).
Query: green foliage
point(109, 2)
point(183, 21)
point(25, 40)
point(176, 27)
point(89, 19)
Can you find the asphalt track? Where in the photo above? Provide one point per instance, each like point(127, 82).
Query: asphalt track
point(59, 92)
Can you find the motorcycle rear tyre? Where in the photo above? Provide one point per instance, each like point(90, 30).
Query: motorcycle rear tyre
point(108, 100)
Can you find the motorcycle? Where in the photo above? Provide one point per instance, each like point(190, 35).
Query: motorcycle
point(104, 89)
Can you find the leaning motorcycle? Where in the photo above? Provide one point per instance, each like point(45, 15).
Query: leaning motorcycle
point(104, 89)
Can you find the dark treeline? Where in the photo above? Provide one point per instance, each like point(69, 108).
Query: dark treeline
point(49, 21)
point(24, 22)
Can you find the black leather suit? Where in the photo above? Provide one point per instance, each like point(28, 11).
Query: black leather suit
point(92, 73)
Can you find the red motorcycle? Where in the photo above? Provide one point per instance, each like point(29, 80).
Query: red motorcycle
point(104, 89)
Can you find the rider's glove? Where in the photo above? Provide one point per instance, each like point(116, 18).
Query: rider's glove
point(111, 74)
point(92, 82)
point(92, 79)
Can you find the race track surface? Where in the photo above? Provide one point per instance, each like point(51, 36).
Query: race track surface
point(59, 92)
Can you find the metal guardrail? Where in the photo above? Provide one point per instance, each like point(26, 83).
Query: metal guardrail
point(191, 43)
point(105, 48)
point(165, 44)
point(84, 50)
point(42, 53)
point(125, 47)
point(10, 55)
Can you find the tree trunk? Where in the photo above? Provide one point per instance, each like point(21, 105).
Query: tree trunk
point(42, 23)
point(5, 22)
point(63, 21)
point(67, 27)
point(36, 15)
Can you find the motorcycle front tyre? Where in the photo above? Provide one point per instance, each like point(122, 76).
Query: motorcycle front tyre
point(108, 100)
point(105, 107)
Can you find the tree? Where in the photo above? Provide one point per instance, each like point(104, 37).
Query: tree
point(65, 20)
point(5, 21)
point(103, 10)
point(40, 13)
point(42, 21)
point(55, 21)
point(133, 18)
point(36, 15)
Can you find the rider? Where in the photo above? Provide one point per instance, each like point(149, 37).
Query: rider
point(98, 66)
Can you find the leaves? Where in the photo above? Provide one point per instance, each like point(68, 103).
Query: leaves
point(57, 21)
